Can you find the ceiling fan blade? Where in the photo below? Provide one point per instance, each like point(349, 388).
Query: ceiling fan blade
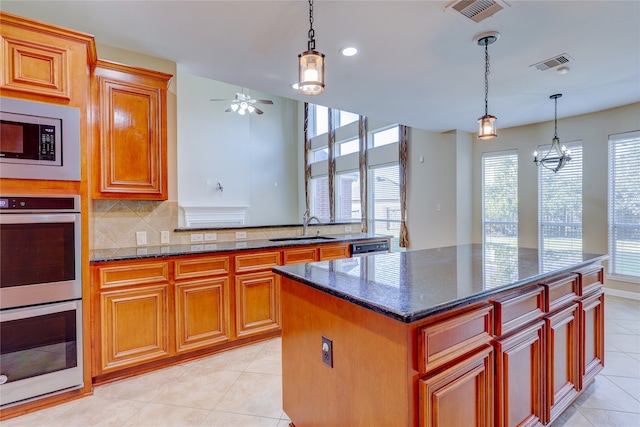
point(263, 101)
point(258, 111)
point(228, 100)
point(228, 110)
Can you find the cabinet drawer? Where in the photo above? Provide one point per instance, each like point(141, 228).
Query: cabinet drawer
point(519, 309)
point(561, 292)
point(256, 261)
point(299, 255)
point(447, 340)
point(133, 274)
point(199, 267)
point(329, 252)
point(591, 280)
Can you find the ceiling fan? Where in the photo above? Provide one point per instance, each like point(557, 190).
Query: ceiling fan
point(243, 104)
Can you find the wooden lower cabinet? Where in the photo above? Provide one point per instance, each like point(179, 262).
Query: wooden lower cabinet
point(591, 337)
point(257, 303)
point(469, 381)
point(562, 349)
point(135, 326)
point(519, 377)
point(202, 313)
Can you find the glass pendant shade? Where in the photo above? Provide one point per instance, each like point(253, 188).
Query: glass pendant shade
point(487, 129)
point(311, 72)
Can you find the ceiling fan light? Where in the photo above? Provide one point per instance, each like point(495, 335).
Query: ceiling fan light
point(234, 107)
point(487, 128)
point(251, 108)
point(311, 72)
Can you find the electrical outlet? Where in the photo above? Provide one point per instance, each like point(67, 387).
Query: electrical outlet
point(241, 234)
point(197, 237)
point(141, 238)
point(164, 237)
point(210, 236)
point(327, 352)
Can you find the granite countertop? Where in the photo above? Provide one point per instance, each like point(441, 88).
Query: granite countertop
point(409, 286)
point(142, 252)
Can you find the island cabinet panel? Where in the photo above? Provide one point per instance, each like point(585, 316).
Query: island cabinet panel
point(562, 349)
point(591, 337)
point(450, 339)
point(130, 153)
point(520, 377)
point(202, 313)
point(516, 310)
point(461, 395)
point(257, 303)
point(591, 280)
point(561, 292)
point(135, 326)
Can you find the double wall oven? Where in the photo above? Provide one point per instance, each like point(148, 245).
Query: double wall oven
point(40, 297)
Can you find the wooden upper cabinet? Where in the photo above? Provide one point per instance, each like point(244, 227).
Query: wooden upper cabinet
point(44, 62)
point(130, 126)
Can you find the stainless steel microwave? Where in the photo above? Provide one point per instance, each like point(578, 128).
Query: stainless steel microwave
point(39, 141)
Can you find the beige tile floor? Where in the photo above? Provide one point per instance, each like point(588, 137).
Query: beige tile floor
point(243, 388)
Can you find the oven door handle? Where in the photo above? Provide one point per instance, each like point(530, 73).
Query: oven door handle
point(23, 313)
point(38, 218)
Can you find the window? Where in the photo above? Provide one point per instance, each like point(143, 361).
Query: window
point(348, 147)
point(348, 197)
point(624, 204)
point(385, 198)
point(319, 189)
point(560, 211)
point(345, 117)
point(500, 217)
point(386, 136)
point(319, 120)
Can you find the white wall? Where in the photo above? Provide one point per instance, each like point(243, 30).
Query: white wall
point(593, 129)
point(252, 156)
point(430, 184)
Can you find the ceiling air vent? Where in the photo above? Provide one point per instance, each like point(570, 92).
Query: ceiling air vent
point(553, 62)
point(477, 10)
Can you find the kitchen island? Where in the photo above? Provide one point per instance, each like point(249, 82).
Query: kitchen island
point(458, 336)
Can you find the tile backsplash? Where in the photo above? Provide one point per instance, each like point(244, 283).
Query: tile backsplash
point(115, 223)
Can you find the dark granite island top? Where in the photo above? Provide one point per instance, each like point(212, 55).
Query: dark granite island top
point(409, 286)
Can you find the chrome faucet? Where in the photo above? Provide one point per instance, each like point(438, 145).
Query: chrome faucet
point(306, 219)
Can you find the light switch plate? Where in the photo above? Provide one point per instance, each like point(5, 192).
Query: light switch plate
point(164, 237)
point(241, 234)
point(208, 237)
point(197, 237)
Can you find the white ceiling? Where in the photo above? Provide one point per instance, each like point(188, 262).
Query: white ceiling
point(418, 64)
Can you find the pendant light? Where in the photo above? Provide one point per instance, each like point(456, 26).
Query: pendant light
point(487, 123)
point(311, 64)
point(557, 156)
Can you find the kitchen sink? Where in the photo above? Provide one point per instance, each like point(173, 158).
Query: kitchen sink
point(293, 239)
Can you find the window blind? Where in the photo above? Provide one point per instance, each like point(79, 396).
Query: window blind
point(500, 217)
point(560, 211)
point(624, 204)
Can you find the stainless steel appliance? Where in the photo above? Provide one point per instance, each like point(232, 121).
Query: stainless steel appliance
point(39, 141)
point(40, 296)
point(368, 248)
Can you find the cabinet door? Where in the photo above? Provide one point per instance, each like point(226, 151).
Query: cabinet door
point(329, 252)
point(257, 303)
point(131, 151)
point(563, 378)
point(135, 327)
point(519, 377)
point(461, 395)
point(591, 337)
point(202, 313)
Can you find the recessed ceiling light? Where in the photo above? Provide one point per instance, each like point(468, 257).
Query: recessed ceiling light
point(563, 70)
point(349, 51)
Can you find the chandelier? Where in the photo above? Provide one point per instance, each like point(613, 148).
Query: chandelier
point(311, 64)
point(557, 156)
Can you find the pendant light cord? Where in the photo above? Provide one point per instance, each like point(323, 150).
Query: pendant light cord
point(312, 42)
point(486, 77)
point(555, 119)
